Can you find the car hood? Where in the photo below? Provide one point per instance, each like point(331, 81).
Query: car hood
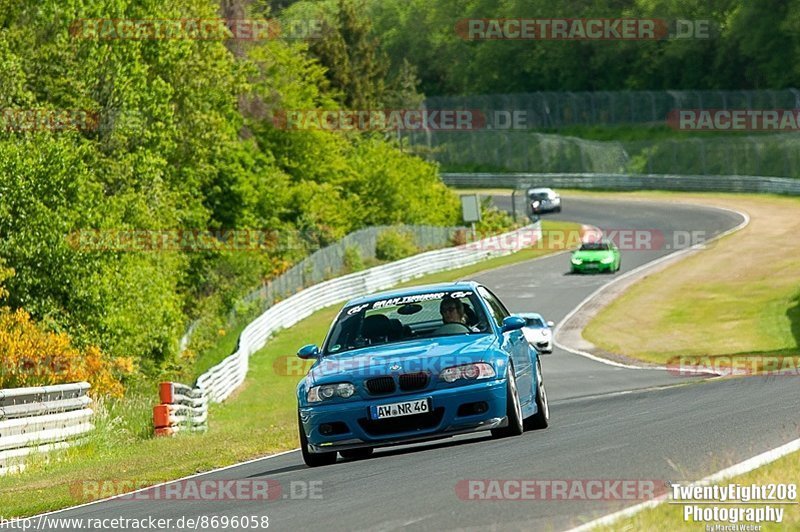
point(428, 354)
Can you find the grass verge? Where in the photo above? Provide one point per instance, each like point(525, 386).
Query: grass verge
point(259, 419)
point(738, 299)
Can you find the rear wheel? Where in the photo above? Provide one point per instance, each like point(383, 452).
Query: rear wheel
point(541, 419)
point(312, 459)
point(513, 408)
point(357, 454)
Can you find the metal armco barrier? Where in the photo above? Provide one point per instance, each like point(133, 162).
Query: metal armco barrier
point(221, 380)
point(182, 409)
point(682, 183)
point(41, 419)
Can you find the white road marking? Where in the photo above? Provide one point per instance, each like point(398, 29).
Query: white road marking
point(635, 271)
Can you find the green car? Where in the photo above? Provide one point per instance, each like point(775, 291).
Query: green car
point(599, 256)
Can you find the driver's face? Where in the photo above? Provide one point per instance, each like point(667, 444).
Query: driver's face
point(452, 314)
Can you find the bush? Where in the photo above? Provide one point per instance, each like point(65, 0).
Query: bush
point(33, 357)
point(493, 220)
point(353, 261)
point(394, 244)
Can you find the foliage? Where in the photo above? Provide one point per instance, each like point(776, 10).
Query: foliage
point(493, 220)
point(751, 45)
point(394, 244)
point(185, 141)
point(353, 261)
point(35, 357)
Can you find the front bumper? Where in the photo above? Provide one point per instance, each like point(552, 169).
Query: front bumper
point(592, 267)
point(442, 421)
point(546, 346)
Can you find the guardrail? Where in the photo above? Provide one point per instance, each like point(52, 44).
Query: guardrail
point(596, 181)
point(221, 380)
point(41, 419)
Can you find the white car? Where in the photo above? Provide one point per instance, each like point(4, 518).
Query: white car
point(538, 332)
point(544, 200)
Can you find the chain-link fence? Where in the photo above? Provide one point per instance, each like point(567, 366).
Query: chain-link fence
point(518, 147)
point(560, 109)
point(330, 261)
point(519, 151)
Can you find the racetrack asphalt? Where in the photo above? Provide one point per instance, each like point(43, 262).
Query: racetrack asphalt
point(606, 423)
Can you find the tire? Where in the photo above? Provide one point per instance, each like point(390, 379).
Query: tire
point(558, 209)
point(357, 454)
point(513, 409)
point(312, 459)
point(541, 419)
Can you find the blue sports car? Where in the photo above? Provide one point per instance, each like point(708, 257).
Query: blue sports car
point(418, 364)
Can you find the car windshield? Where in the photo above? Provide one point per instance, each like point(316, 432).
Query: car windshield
point(404, 318)
point(540, 195)
point(534, 323)
point(594, 246)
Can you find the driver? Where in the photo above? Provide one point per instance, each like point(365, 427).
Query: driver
point(454, 317)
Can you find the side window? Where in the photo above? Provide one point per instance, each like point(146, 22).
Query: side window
point(497, 309)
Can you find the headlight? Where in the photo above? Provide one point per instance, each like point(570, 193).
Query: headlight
point(576, 260)
point(607, 260)
point(326, 391)
point(479, 370)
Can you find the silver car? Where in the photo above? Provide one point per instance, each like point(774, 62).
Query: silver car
point(538, 332)
point(544, 200)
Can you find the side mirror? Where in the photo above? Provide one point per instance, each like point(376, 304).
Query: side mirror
point(513, 323)
point(551, 324)
point(308, 351)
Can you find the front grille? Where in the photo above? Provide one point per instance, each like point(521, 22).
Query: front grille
point(413, 381)
point(380, 385)
point(396, 425)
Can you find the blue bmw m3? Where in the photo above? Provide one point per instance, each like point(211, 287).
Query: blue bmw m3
point(418, 364)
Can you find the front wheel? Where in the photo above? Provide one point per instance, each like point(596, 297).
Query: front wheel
point(541, 419)
point(312, 459)
point(513, 408)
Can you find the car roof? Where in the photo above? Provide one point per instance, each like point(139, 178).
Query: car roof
point(543, 189)
point(414, 290)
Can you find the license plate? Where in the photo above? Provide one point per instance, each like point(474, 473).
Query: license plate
point(406, 408)
point(590, 266)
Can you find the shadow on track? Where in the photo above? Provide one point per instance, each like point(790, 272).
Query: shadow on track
point(440, 444)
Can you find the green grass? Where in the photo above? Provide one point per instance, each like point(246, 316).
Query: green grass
point(259, 419)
